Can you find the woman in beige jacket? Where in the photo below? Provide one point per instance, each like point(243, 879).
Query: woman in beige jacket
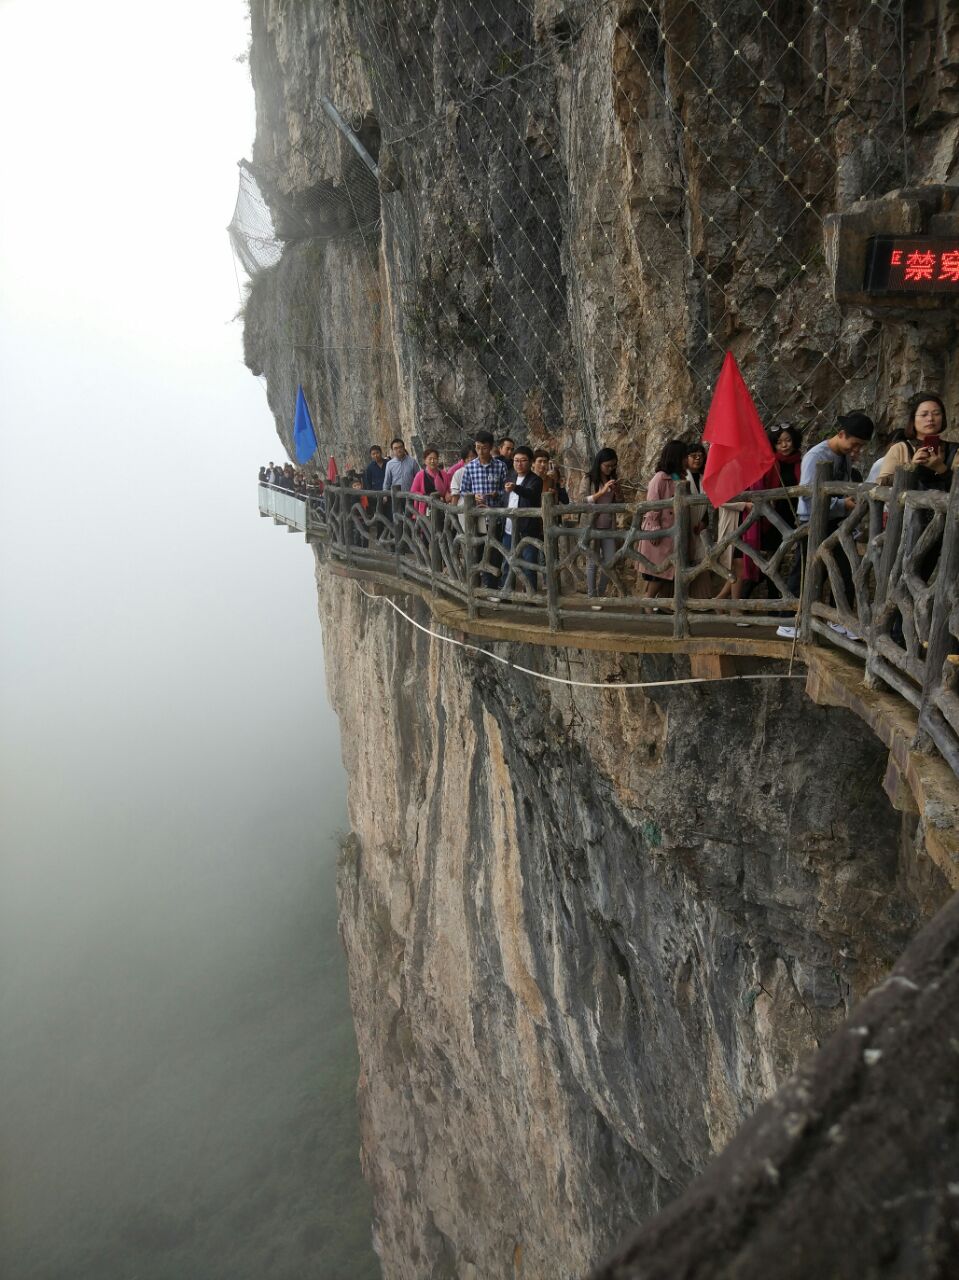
point(921, 446)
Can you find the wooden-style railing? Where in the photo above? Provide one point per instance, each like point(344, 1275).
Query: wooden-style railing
point(879, 581)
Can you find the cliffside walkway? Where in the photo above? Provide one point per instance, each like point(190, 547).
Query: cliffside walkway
point(886, 648)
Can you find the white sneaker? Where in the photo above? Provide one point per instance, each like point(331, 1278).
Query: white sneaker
point(843, 631)
point(596, 608)
point(494, 600)
point(787, 633)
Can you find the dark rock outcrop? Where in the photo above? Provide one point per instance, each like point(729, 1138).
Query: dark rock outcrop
point(852, 1170)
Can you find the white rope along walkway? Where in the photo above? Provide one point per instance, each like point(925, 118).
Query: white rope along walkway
point(578, 684)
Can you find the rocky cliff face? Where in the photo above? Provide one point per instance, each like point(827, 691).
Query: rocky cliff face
point(583, 206)
point(588, 930)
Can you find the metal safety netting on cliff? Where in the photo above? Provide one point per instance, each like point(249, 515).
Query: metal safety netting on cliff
point(601, 202)
point(345, 203)
point(559, 217)
point(251, 230)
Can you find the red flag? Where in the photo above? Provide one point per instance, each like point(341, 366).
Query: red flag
point(331, 472)
point(739, 453)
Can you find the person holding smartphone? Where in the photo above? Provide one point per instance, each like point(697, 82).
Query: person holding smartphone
point(921, 445)
point(600, 487)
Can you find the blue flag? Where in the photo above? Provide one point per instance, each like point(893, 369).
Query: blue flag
point(304, 441)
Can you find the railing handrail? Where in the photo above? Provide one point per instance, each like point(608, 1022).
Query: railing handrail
point(835, 488)
point(891, 605)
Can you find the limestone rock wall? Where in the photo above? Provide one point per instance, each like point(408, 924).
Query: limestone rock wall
point(588, 931)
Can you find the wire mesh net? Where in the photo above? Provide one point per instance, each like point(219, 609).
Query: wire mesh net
point(345, 204)
point(251, 230)
point(583, 207)
point(730, 130)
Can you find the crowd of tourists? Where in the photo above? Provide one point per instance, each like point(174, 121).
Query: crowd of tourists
point(501, 474)
point(291, 479)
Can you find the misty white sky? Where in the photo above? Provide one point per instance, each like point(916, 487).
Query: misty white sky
point(161, 691)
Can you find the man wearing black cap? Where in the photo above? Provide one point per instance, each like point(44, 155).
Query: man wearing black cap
point(841, 451)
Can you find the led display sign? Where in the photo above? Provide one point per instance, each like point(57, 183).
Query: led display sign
point(912, 264)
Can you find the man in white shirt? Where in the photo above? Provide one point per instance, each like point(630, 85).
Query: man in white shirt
point(525, 490)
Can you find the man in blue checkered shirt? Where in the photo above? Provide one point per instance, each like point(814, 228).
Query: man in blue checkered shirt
point(485, 477)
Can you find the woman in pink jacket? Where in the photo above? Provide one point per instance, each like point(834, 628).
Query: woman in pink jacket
point(669, 471)
point(432, 479)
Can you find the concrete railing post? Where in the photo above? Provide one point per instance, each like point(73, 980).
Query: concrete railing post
point(469, 529)
point(435, 518)
point(818, 528)
point(551, 573)
point(397, 512)
point(895, 519)
point(940, 637)
point(681, 534)
point(333, 515)
point(349, 526)
point(903, 480)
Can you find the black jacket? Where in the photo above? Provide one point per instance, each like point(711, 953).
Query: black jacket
point(530, 494)
point(926, 478)
point(374, 475)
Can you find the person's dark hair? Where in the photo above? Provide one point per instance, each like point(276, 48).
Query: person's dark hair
point(467, 449)
point(541, 453)
point(527, 452)
point(856, 424)
point(483, 437)
point(595, 476)
point(914, 403)
point(506, 440)
point(672, 460)
point(397, 440)
point(795, 435)
point(377, 447)
point(430, 448)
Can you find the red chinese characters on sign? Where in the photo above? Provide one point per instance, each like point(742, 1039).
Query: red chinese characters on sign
point(912, 265)
point(949, 266)
point(920, 265)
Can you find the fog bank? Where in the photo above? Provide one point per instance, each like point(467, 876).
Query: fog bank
point(176, 1069)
